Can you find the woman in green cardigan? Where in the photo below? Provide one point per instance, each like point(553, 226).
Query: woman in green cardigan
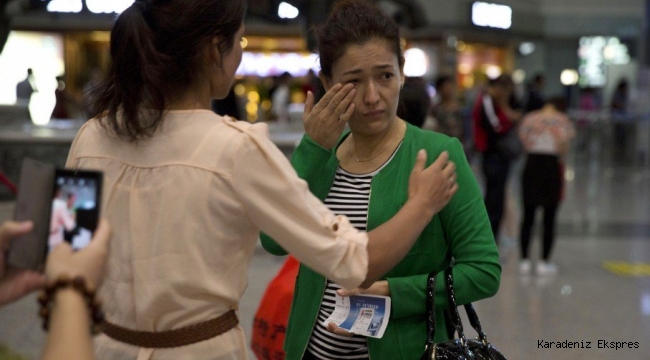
point(363, 174)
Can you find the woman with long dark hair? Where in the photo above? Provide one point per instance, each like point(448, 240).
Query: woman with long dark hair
point(188, 191)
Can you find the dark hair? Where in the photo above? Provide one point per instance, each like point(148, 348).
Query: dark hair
point(441, 81)
point(156, 49)
point(558, 102)
point(354, 22)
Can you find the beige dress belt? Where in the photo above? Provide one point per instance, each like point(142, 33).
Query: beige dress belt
point(173, 338)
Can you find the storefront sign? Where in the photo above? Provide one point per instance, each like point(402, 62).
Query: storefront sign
point(595, 54)
point(94, 6)
point(491, 15)
point(273, 64)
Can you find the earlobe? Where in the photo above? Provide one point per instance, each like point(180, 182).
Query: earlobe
point(214, 53)
point(327, 83)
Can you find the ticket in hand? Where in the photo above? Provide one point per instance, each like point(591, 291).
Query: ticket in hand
point(365, 315)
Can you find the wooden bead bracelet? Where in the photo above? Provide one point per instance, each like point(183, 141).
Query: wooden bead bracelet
point(78, 283)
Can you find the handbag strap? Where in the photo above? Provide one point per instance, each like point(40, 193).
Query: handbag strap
point(431, 309)
point(453, 309)
point(476, 324)
point(469, 309)
point(456, 321)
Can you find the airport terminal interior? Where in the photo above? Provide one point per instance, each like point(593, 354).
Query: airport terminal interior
point(595, 306)
point(601, 292)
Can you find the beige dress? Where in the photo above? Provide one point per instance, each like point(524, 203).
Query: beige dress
point(186, 208)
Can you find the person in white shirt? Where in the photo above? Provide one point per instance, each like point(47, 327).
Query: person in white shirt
point(545, 135)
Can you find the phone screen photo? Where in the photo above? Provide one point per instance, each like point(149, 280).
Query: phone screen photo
point(75, 208)
point(62, 204)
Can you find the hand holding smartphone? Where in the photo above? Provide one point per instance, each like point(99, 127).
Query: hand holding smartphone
point(64, 207)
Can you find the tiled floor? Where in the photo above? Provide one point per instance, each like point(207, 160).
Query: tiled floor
point(605, 217)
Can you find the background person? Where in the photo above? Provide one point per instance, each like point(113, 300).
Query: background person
point(619, 112)
point(414, 101)
point(545, 135)
point(67, 105)
point(26, 88)
point(281, 98)
point(447, 111)
point(184, 184)
point(535, 97)
point(493, 120)
point(359, 174)
point(588, 106)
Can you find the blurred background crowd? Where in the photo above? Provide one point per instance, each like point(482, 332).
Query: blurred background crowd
point(595, 55)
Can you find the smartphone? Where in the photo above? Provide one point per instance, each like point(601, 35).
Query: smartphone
point(33, 203)
point(75, 204)
point(64, 207)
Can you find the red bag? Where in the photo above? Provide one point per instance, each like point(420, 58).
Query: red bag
point(272, 316)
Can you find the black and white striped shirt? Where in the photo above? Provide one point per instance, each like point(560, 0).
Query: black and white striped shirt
point(348, 196)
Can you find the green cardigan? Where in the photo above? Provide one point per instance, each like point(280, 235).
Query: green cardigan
point(461, 229)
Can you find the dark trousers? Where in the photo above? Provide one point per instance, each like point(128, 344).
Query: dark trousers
point(495, 168)
point(549, 229)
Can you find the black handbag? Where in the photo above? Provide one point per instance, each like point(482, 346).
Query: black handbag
point(509, 144)
point(460, 348)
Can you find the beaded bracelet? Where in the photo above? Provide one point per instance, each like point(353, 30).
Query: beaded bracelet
point(78, 283)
